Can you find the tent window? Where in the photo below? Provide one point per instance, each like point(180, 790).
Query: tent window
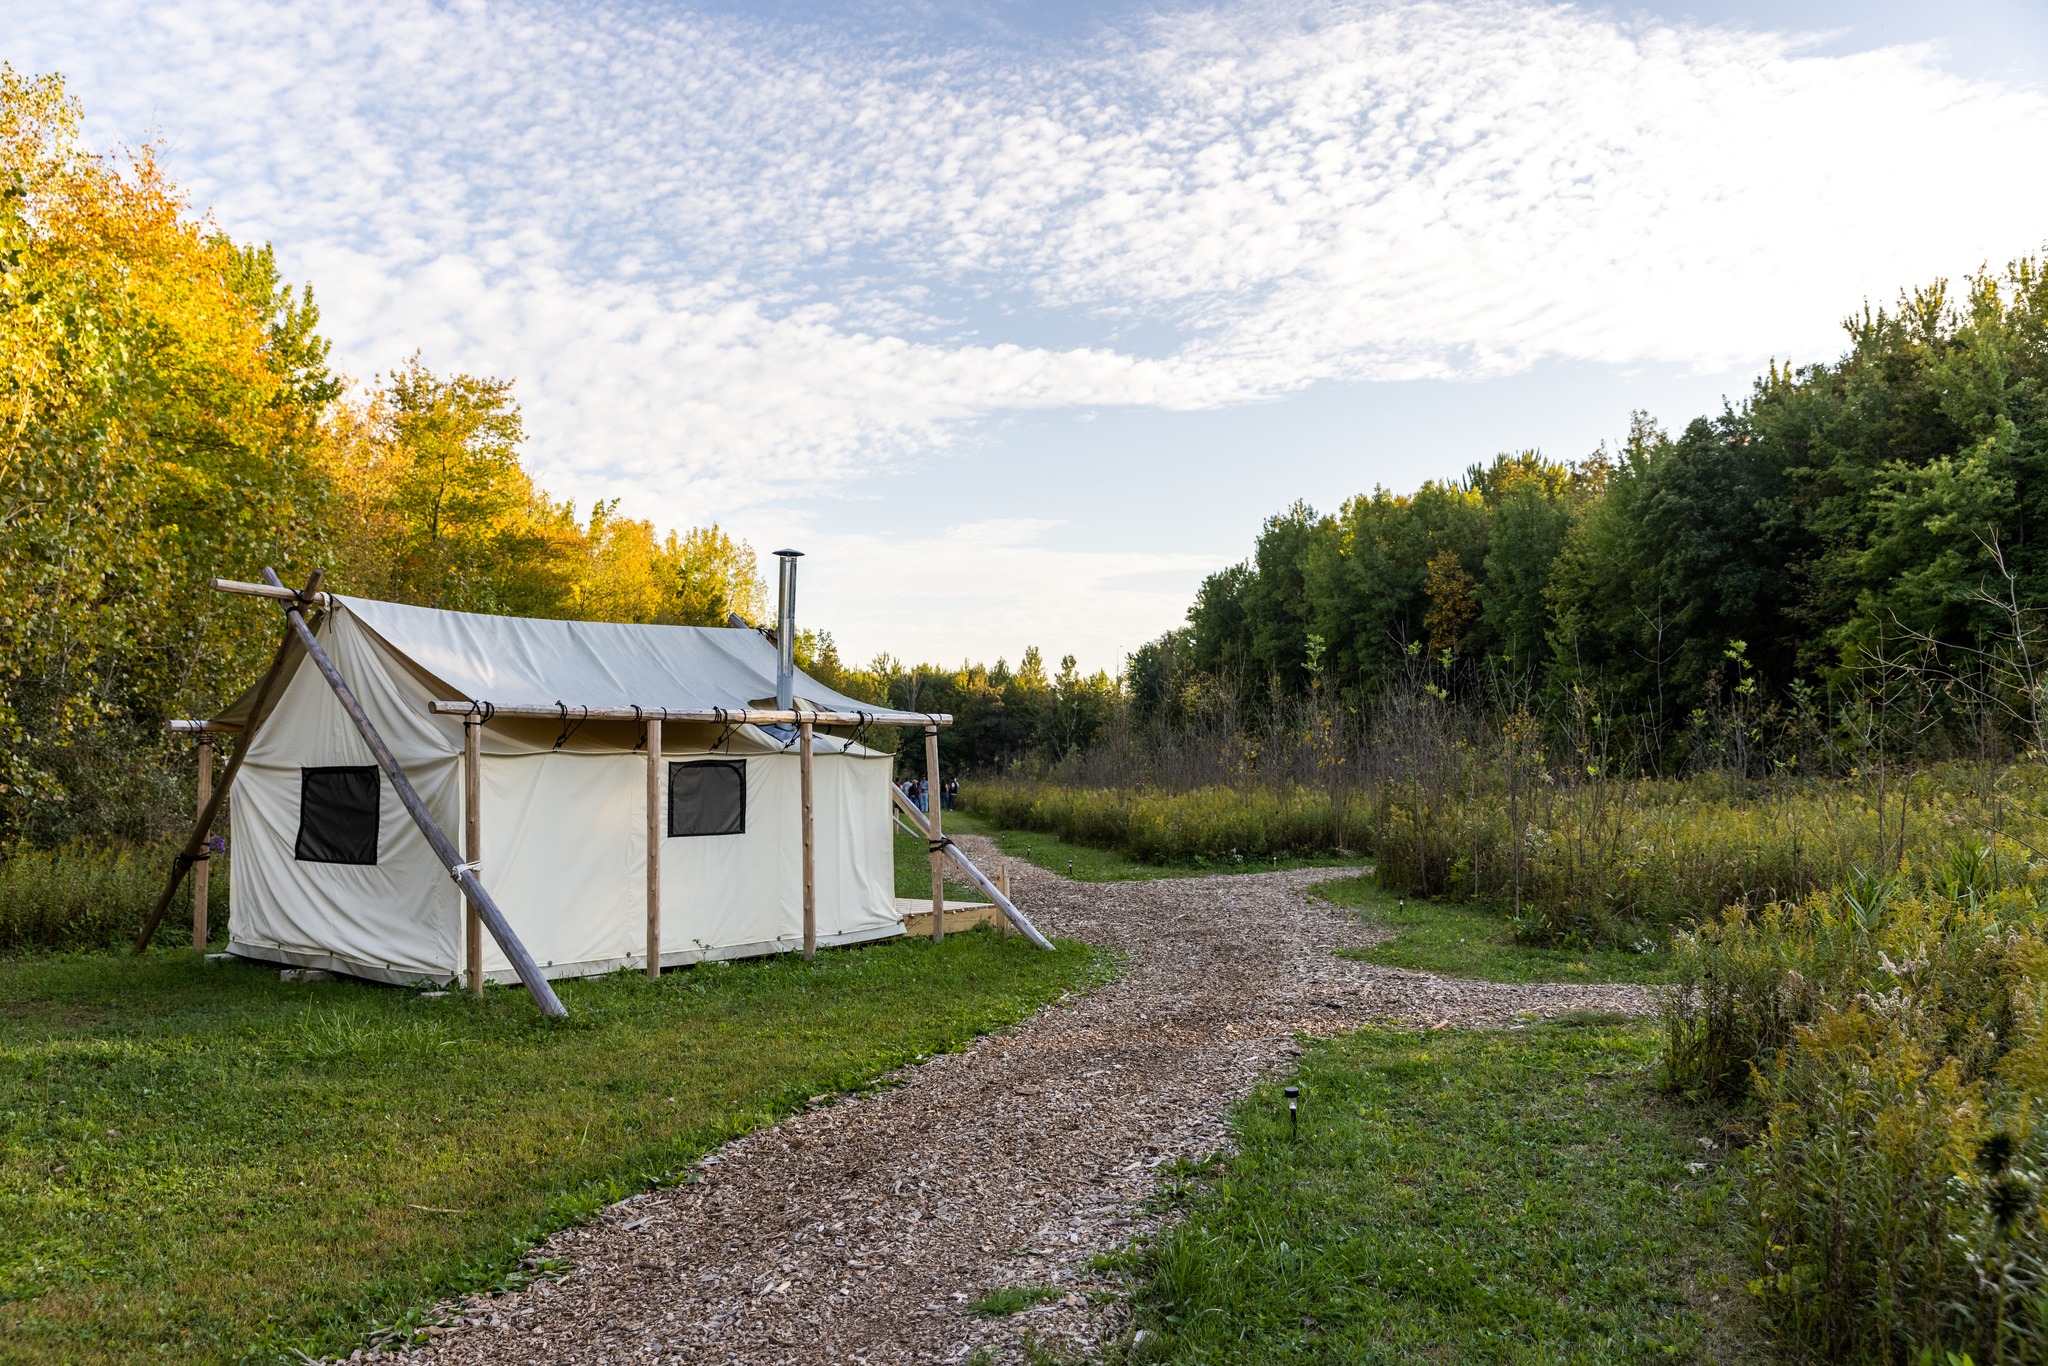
point(707, 797)
point(337, 815)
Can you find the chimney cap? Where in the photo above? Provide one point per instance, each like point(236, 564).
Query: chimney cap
point(790, 554)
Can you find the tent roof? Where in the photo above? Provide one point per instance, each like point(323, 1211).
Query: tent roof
point(526, 661)
point(515, 661)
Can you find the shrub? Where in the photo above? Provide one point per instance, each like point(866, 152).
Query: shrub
point(76, 897)
point(1887, 1040)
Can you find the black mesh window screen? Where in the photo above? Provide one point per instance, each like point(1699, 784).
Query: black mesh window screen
point(337, 815)
point(707, 797)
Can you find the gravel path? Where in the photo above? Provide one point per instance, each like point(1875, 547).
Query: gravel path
point(858, 1232)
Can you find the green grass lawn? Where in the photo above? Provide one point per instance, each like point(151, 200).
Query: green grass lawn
point(1084, 863)
point(1464, 940)
point(1519, 1196)
point(201, 1163)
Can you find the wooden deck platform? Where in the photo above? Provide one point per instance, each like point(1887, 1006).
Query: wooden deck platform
point(960, 915)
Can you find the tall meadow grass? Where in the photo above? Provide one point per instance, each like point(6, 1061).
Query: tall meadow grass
point(77, 897)
point(1577, 864)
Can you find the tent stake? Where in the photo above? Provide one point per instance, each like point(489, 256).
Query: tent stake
point(203, 827)
point(655, 828)
point(980, 879)
point(803, 731)
point(529, 973)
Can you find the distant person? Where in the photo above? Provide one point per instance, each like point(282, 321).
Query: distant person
point(924, 798)
point(950, 792)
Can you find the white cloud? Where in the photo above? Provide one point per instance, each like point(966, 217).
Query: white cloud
point(998, 583)
point(729, 261)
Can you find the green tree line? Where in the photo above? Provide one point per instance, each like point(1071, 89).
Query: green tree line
point(1892, 501)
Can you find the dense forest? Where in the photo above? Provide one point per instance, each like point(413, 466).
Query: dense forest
point(1892, 503)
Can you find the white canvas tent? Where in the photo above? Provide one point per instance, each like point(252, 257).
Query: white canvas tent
point(331, 872)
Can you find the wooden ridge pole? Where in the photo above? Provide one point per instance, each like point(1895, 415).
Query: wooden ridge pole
point(722, 716)
point(529, 972)
point(934, 802)
point(803, 731)
point(916, 826)
point(199, 869)
point(473, 848)
point(203, 827)
point(656, 828)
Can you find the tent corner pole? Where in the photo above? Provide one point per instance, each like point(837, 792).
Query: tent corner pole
point(473, 848)
point(810, 834)
point(654, 834)
point(934, 802)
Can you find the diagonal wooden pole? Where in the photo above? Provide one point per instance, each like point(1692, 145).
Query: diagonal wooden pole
point(199, 869)
point(465, 877)
point(203, 827)
point(917, 826)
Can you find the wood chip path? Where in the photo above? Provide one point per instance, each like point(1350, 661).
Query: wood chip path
point(859, 1231)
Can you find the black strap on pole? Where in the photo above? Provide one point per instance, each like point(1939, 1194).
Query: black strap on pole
point(487, 909)
point(203, 827)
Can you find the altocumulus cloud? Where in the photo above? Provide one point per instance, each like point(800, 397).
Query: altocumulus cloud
point(726, 257)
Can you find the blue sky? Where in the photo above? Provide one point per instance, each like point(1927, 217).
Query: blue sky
point(1020, 318)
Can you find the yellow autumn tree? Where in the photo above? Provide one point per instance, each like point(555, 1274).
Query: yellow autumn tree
point(431, 505)
point(158, 391)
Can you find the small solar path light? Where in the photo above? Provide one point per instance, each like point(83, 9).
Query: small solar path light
point(1293, 1094)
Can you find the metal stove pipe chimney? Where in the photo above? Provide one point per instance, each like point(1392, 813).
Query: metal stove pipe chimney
point(785, 630)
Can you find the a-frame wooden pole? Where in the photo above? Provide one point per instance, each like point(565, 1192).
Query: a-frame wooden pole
point(408, 797)
point(933, 802)
point(656, 828)
point(914, 823)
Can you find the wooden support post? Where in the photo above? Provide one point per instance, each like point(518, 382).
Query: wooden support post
point(656, 829)
point(803, 731)
point(1003, 886)
point(203, 827)
point(473, 847)
point(933, 802)
point(199, 869)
